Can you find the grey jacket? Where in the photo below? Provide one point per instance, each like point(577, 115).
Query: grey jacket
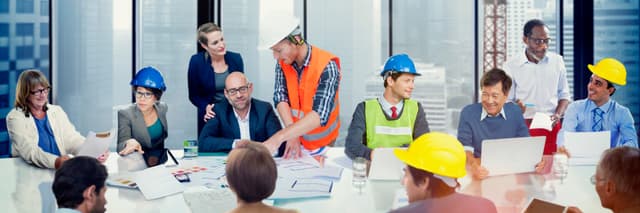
point(131, 126)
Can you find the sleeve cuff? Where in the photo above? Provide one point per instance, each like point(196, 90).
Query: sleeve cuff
point(469, 148)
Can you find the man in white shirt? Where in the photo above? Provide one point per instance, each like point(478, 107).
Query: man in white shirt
point(539, 79)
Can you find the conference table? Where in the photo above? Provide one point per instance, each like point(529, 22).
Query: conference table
point(26, 188)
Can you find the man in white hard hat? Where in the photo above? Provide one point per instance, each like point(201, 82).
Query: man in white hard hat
point(306, 90)
point(599, 112)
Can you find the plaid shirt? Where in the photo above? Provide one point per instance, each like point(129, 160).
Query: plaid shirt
point(325, 93)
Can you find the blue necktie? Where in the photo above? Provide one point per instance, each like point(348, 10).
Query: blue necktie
point(597, 120)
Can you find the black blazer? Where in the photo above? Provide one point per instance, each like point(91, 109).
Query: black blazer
point(218, 134)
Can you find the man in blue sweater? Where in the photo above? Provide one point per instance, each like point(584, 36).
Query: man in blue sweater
point(491, 119)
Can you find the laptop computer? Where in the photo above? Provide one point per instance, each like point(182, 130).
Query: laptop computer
point(511, 155)
point(385, 165)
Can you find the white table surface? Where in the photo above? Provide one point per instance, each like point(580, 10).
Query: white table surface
point(19, 191)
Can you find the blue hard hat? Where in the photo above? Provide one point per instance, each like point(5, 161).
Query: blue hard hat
point(399, 63)
point(149, 77)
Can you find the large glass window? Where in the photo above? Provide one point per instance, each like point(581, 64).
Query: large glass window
point(439, 36)
point(166, 40)
point(22, 47)
point(88, 77)
point(616, 30)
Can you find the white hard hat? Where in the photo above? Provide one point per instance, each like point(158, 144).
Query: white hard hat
point(275, 28)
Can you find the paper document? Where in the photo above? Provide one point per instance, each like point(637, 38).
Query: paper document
point(202, 199)
point(288, 188)
point(586, 148)
point(124, 180)
point(306, 167)
point(157, 182)
point(541, 121)
point(385, 165)
point(498, 155)
point(95, 144)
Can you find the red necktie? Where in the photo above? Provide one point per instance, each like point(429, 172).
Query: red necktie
point(394, 114)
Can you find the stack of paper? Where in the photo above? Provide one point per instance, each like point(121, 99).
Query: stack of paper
point(541, 121)
point(96, 144)
point(157, 182)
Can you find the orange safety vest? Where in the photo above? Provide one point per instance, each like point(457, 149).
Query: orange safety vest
point(301, 97)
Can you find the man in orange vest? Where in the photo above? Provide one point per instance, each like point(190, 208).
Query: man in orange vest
point(306, 90)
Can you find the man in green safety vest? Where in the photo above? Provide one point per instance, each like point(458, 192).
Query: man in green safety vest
point(393, 120)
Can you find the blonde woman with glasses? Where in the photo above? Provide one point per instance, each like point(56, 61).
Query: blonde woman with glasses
point(41, 133)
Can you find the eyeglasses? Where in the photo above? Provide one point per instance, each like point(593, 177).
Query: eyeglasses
point(539, 41)
point(40, 91)
point(146, 95)
point(242, 89)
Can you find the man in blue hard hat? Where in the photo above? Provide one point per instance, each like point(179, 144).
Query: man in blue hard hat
point(392, 120)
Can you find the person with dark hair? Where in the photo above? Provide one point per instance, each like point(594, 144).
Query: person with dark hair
point(392, 120)
point(598, 112)
point(539, 80)
point(251, 174)
point(306, 93)
point(616, 180)
point(79, 186)
point(142, 126)
point(493, 118)
point(41, 133)
point(434, 163)
point(241, 119)
point(208, 70)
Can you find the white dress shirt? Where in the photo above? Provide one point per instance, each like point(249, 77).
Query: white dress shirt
point(540, 85)
point(243, 123)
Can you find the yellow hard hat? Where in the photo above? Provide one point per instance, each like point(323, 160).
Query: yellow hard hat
point(435, 152)
point(277, 27)
point(611, 70)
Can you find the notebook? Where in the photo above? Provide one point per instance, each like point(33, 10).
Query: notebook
point(385, 165)
point(511, 155)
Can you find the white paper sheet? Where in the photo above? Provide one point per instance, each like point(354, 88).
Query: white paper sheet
point(96, 144)
point(541, 121)
point(385, 165)
point(306, 167)
point(202, 199)
point(586, 147)
point(288, 188)
point(498, 155)
point(157, 182)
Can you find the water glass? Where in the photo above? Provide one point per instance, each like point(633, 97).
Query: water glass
point(560, 165)
point(190, 148)
point(359, 172)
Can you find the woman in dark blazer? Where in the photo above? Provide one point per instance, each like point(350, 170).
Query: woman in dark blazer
point(208, 70)
point(142, 126)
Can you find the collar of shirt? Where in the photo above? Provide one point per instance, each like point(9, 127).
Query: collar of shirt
point(307, 58)
point(386, 106)
point(485, 114)
point(246, 117)
point(522, 58)
point(592, 105)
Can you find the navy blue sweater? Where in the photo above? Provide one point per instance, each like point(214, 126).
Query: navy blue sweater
point(471, 130)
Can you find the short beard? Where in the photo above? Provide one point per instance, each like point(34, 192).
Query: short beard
point(532, 55)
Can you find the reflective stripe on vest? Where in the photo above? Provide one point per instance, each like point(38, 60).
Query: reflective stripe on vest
point(389, 133)
point(301, 91)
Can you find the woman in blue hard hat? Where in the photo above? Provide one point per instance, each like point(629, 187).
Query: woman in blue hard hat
point(142, 127)
point(41, 133)
point(434, 163)
point(208, 71)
